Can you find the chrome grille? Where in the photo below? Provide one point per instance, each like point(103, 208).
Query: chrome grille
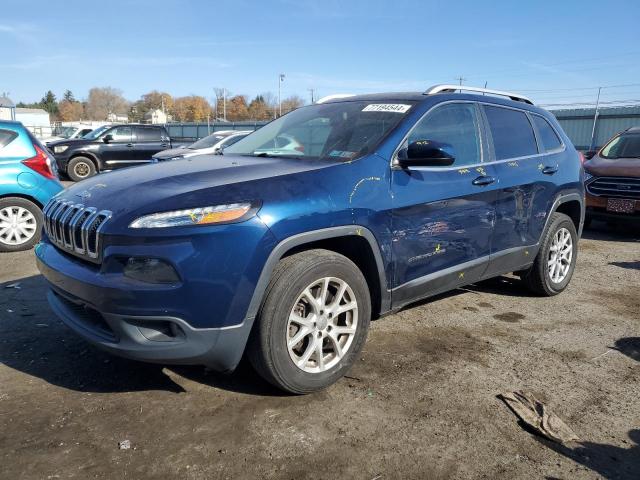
point(75, 228)
point(623, 187)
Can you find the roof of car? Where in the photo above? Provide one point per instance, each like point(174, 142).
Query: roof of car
point(633, 130)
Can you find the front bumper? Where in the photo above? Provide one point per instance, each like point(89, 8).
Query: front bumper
point(151, 339)
point(596, 207)
point(201, 319)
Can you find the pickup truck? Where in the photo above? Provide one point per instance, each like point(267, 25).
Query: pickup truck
point(109, 148)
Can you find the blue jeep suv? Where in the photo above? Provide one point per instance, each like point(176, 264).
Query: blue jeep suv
point(287, 254)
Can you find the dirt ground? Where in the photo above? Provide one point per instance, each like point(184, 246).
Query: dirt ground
point(420, 403)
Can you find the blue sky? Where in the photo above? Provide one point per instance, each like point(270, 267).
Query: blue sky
point(562, 48)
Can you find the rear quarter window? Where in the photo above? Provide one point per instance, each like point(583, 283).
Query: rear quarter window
point(548, 135)
point(511, 131)
point(6, 137)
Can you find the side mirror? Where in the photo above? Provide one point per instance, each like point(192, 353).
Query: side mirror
point(107, 138)
point(427, 153)
point(590, 154)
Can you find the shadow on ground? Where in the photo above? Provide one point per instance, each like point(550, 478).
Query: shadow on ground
point(629, 265)
point(619, 231)
point(35, 342)
point(629, 346)
point(608, 461)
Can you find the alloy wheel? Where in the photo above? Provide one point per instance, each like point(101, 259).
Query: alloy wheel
point(322, 325)
point(560, 255)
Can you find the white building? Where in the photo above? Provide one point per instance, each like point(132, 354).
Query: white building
point(35, 119)
point(155, 116)
point(7, 109)
point(117, 118)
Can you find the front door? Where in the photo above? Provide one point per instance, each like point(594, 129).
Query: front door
point(118, 152)
point(443, 216)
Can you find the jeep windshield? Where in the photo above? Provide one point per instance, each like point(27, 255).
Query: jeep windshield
point(623, 146)
point(339, 131)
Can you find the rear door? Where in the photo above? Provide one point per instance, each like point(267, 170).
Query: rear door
point(118, 152)
point(443, 216)
point(149, 141)
point(525, 176)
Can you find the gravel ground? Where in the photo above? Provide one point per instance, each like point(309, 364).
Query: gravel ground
point(420, 403)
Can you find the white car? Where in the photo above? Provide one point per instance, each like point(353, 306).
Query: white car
point(213, 143)
point(69, 133)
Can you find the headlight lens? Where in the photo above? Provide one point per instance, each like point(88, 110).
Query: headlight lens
point(60, 149)
point(194, 216)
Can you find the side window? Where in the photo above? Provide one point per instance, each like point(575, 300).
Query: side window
point(455, 124)
point(6, 137)
point(149, 134)
point(83, 132)
point(549, 137)
point(120, 134)
point(232, 140)
point(512, 133)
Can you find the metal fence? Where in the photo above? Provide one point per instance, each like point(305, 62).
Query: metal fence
point(578, 124)
point(186, 132)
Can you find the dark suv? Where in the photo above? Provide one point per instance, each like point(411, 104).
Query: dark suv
point(287, 254)
point(108, 148)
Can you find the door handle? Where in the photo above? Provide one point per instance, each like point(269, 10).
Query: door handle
point(550, 170)
point(129, 144)
point(483, 180)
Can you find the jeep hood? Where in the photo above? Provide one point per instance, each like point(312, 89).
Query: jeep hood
point(193, 182)
point(613, 167)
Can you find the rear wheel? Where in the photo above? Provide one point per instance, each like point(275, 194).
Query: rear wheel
point(554, 265)
point(80, 168)
point(20, 224)
point(313, 321)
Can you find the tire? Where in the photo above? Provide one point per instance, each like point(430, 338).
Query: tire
point(17, 211)
point(268, 349)
point(539, 277)
point(80, 168)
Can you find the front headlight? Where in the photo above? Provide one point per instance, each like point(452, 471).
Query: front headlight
point(60, 149)
point(231, 212)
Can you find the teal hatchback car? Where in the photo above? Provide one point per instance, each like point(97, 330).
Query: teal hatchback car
point(28, 180)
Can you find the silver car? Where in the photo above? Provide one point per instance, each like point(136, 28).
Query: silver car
point(213, 143)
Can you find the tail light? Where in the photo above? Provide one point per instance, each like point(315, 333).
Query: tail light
point(41, 163)
point(581, 156)
point(300, 148)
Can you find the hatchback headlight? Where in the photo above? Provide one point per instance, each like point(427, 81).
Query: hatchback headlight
point(60, 149)
point(232, 212)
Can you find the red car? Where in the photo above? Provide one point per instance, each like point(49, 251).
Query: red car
point(612, 179)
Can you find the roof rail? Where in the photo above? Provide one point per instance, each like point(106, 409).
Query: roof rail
point(335, 97)
point(442, 88)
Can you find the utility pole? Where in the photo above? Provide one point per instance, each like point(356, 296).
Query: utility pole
point(280, 80)
point(224, 104)
point(313, 98)
point(461, 79)
point(595, 120)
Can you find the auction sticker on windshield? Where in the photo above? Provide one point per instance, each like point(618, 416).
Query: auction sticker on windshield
point(387, 107)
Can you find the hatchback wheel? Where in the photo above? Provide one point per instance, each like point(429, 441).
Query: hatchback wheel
point(20, 224)
point(313, 321)
point(553, 267)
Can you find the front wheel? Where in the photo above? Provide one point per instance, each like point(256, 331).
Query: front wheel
point(80, 168)
point(313, 321)
point(554, 265)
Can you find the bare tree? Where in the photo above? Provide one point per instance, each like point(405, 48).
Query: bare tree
point(103, 101)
